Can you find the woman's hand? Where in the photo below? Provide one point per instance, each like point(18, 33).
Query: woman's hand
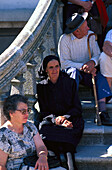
point(42, 163)
point(68, 124)
point(59, 120)
point(42, 152)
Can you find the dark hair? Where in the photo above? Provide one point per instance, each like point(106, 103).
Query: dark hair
point(10, 104)
point(42, 70)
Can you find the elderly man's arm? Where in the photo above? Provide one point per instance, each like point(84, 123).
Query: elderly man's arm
point(64, 53)
point(107, 48)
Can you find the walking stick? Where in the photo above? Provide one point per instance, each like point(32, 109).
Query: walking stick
point(97, 120)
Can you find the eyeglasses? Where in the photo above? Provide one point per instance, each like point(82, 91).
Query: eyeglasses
point(24, 111)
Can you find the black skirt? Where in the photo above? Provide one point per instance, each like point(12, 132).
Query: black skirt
point(55, 133)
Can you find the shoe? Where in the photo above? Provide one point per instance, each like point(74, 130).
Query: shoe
point(110, 101)
point(105, 119)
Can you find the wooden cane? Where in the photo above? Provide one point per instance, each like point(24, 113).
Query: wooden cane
point(97, 120)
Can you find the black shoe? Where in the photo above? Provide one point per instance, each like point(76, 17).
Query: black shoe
point(105, 119)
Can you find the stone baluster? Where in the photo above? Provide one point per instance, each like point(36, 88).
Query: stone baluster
point(38, 58)
point(59, 21)
point(17, 83)
point(30, 85)
point(50, 41)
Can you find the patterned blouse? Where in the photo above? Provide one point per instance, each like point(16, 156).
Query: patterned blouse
point(17, 145)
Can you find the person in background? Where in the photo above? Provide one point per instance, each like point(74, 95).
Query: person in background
point(106, 60)
point(18, 137)
point(73, 52)
point(61, 124)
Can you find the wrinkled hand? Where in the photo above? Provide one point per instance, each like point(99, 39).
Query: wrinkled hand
point(93, 72)
point(89, 67)
point(68, 124)
point(59, 120)
point(42, 163)
point(87, 6)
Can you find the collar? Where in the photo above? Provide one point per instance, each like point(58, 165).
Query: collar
point(73, 37)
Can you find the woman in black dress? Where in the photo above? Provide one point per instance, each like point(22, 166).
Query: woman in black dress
point(61, 123)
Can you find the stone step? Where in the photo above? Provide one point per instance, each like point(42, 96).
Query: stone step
point(93, 158)
point(96, 135)
point(89, 109)
point(85, 93)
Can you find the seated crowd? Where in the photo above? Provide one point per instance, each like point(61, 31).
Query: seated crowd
point(58, 123)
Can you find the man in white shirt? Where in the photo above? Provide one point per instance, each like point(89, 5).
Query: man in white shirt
point(73, 52)
point(97, 18)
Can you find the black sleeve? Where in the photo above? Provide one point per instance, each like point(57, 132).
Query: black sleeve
point(43, 112)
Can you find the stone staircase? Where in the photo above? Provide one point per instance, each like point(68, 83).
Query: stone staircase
point(92, 150)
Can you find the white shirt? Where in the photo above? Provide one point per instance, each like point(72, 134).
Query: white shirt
point(73, 52)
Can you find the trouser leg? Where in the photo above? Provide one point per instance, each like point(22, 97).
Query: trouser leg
point(102, 87)
point(70, 159)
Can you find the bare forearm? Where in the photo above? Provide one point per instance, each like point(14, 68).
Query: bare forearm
point(42, 150)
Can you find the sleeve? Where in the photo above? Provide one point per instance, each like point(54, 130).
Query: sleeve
point(95, 51)
point(4, 142)
point(33, 128)
point(41, 105)
point(65, 54)
point(76, 109)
